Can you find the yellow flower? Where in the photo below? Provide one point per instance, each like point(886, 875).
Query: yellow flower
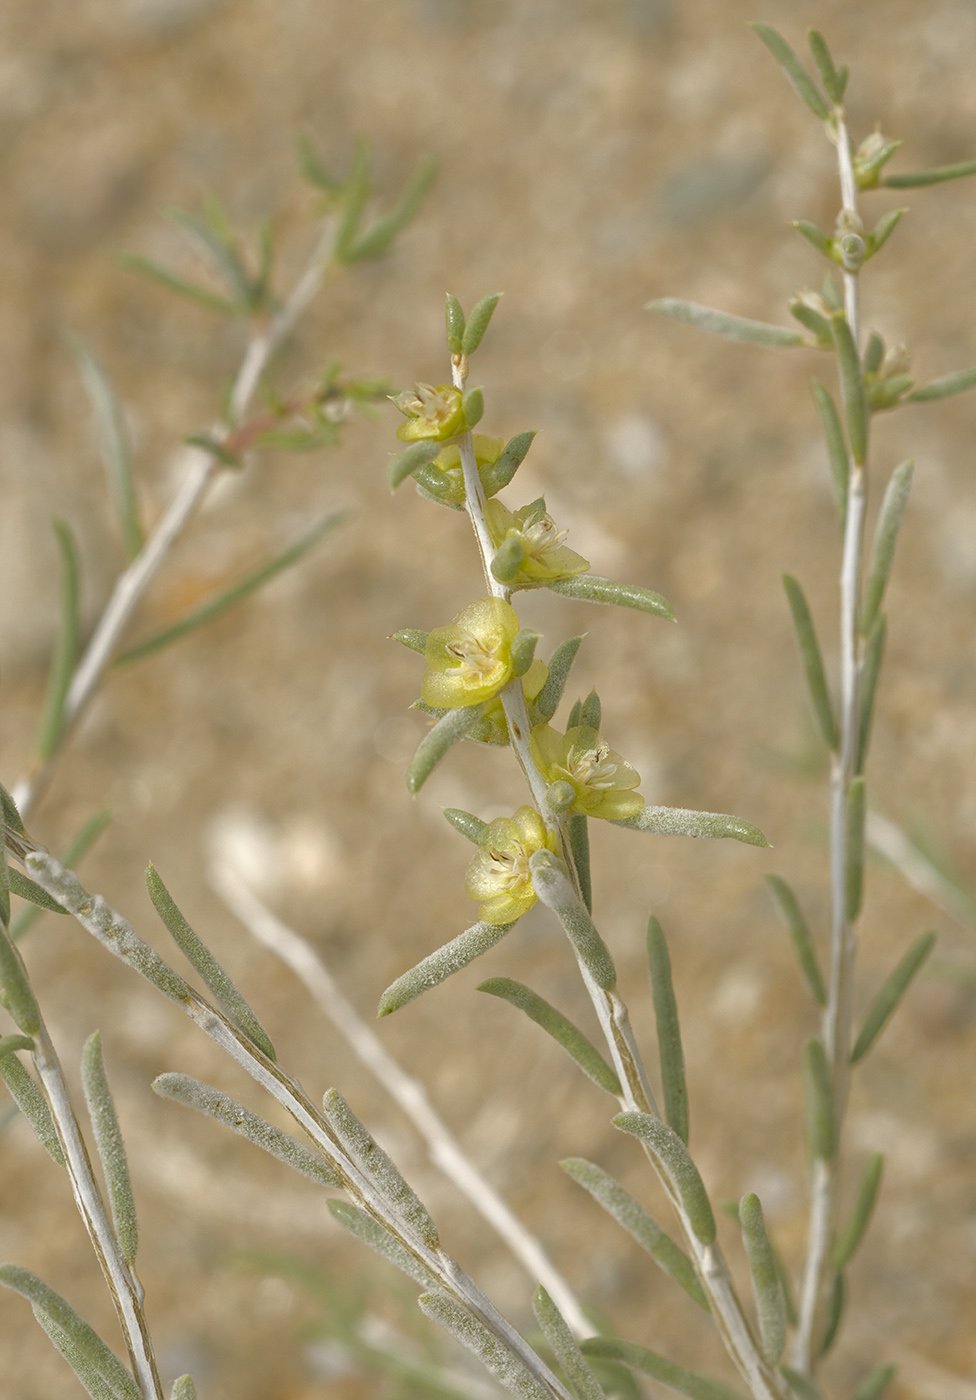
point(471, 660)
point(492, 728)
point(432, 414)
point(546, 557)
point(602, 780)
point(499, 875)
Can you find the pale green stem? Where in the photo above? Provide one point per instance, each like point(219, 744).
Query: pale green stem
point(837, 1016)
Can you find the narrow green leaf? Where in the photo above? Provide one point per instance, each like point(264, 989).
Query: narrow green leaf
point(891, 993)
point(589, 588)
point(847, 1242)
point(874, 353)
point(883, 230)
point(668, 1031)
point(79, 846)
point(577, 829)
point(619, 1203)
point(454, 318)
point(379, 237)
point(871, 669)
point(494, 1355)
point(372, 1233)
point(99, 1369)
point(731, 327)
point(19, 996)
point(816, 236)
point(508, 560)
point(685, 821)
point(936, 176)
point(438, 966)
point(65, 646)
point(310, 168)
point(834, 82)
point(371, 1159)
point(213, 239)
point(669, 1373)
point(592, 711)
point(473, 404)
point(942, 388)
point(354, 193)
point(817, 325)
point(437, 742)
point(883, 547)
point(813, 667)
point(470, 826)
point(183, 1389)
point(731, 1209)
point(766, 1287)
point(10, 1044)
point(797, 75)
point(199, 956)
point(852, 387)
point(792, 916)
point(5, 873)
point(522, 650)
point(228, 598)
point(214, 447)
point(562, 1030)
point(193, 1093)
point(412, 638)
point(11, 816)
point(508, 462)
point(551, 882)
point(110, 1147)
point(134, 262)
point(581, 1379)
point(830, 293)
point(405, 463)
point(818, 1098)
point(854, 851)
point(113, 443)
point(875, 1383)
point(477, 322)
point(802, 1386)
point(32, 1104)
point(835, 1313)
point(27, 889)
point(547, 701)
point(676, 1160)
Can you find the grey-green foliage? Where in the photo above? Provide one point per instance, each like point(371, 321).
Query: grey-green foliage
point(617, 1201)
point(668, 1373)
point(111, 1148)
point(497, 1359)
point(65, 646)
point(377, 1165)
point(226, 995)
point(449, 730)
point(668, 1031)
point(193, 1093)
point(582, 1381)
point(683, 821)
point(32, 1104)
point(892, 990)
point(440, 965)
point(562, 1030)
point(766, 1286)
point(551, 883)
point(821, 1127)
point(846, 1244)
point(372, 1233)
point(678, 1167)
point(792, 916)
point(113, 443)
point(99, 1369)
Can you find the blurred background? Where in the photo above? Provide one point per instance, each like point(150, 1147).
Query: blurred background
point(592, 154)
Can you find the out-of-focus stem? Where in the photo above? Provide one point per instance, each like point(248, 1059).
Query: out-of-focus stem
point(202, 467)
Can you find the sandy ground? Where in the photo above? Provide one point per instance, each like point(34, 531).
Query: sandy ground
point(592, 154)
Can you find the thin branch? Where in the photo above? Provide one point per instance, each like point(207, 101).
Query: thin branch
point(200, 471)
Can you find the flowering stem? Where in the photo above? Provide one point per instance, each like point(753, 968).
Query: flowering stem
point(837, 1013)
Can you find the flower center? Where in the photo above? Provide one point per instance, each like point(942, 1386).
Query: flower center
point(509, 868)
point(593, 769)
point(474, 658)
point(543, 536)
